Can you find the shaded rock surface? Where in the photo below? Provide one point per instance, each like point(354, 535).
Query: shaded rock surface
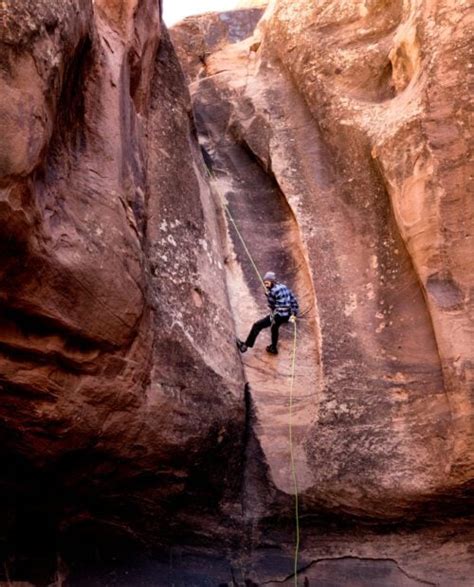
point(337, 137)
point(122, 391)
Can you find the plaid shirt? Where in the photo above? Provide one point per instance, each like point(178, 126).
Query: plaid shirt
point(282, 301)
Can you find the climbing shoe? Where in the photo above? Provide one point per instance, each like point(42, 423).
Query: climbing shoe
point(272, 349)
point(241, 346)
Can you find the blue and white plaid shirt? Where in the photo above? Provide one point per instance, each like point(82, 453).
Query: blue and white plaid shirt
point(282, 301)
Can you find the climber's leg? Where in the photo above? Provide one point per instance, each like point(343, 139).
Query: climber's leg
point(277, 322)
point(256, 328)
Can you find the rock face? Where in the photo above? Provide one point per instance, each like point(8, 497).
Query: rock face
point(337, 139)
point(341, 145)
point(195, 38)
point(391, 99)
point(389, 311)
point(119, 378)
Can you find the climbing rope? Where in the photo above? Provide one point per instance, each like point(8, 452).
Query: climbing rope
point(226, 207)
point(292, 381)
point(211, 174)
point(292, 459)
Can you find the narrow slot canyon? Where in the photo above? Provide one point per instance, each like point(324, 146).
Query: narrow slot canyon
point(146, 173)
point(268, 228)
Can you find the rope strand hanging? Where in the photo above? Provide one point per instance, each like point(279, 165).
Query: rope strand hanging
point(292, 379)
point(292, 460)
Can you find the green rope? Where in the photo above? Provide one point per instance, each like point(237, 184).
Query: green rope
point(292, 459)
point(244, 245)
point(293, 363)
point(234, 224)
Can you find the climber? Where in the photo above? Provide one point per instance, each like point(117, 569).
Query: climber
point(284, 308)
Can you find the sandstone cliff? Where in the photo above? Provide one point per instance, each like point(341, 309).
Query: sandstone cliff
point(121, 387)
point(343, 149)
point(338, 134)
point(391, 97)
point(354, 154)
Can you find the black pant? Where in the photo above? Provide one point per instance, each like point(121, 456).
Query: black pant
point(266, 323)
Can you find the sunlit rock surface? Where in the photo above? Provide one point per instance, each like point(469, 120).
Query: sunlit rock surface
point(326, 132)
point(390, 97)
point(196, 37)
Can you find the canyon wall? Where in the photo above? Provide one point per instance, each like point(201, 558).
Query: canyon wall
point(342, 148)
point(337, 136)
point(121, 387)
point(390, 93)
point(350, 110)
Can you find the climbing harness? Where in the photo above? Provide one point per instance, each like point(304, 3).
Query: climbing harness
point(292, 380)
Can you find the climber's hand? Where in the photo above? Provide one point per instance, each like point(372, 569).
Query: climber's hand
point(292, 319)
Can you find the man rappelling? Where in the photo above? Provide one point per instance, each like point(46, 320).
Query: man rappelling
point(283, 308)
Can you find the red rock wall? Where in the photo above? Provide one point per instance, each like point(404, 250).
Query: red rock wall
point(336, 102)
point(117, 360)
point(388, 85)
point(339, 137)
point(317, 129)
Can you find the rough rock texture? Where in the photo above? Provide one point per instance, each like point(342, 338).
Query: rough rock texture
point(391, 99)
point(122, 392)
point(338, 137)
point(392, 419)
point(341, 144)
point(196, 37)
